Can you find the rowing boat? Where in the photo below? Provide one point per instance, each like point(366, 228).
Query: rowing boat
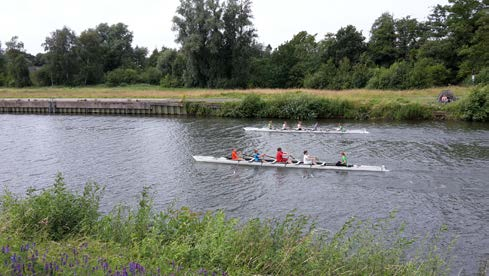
point(320, 131)
point(322, 166)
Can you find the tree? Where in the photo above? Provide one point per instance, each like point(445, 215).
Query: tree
point(295, 59)
point(349, 43)
point(382, 44)
point(239, 37)
point(117, 44)
point(61, 56)
point(17, 64)
point(194, 31)
point(90, 51)
point(139, 57)
point(3, 67)
point(410, 36)
point(19, 71)
point(217, 41)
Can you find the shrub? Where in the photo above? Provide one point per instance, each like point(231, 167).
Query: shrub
point(55, 212)
point(121, 76)
point(41, 77)
point(482, 77)
point(476, 106)
point(151, 76)
point(168, 81)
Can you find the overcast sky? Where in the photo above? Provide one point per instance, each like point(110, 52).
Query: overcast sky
point(150, 20)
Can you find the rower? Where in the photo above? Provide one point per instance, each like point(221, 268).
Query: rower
point(235, 155)
point(341, 128)
point(308, 159)
point(257, 157)
point(316, 126)
point(285, 126)
point(280, 157)
point(299, 125)
point(344, 160)
point(270, 125)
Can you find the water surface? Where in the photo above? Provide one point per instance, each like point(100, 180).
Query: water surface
point(439, 170)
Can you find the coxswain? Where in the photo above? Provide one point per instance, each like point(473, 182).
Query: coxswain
point(344, 160)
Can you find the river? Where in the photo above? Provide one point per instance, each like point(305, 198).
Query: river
point(439, 171)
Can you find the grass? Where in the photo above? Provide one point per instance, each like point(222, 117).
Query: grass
point(422, 96)
point(144, 241)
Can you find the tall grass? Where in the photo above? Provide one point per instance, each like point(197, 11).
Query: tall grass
point(300, 106)
point(141, 241)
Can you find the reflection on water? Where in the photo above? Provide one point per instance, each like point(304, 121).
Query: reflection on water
point(439, 171)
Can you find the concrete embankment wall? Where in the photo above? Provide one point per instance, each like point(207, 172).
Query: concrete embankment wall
point(93, 106)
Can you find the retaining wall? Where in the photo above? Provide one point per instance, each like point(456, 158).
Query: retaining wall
point(93, 106)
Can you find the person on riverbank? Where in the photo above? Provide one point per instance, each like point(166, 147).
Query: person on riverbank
point(285, 126)
point(344, 161)
point(270, 125)
point(236, 155)
point(279, 158)
point(257, 157)
point(308, 159)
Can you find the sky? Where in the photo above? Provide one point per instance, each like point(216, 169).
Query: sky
point(150, 21)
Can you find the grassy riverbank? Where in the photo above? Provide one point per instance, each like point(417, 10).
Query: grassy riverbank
point(361, 104)
point(422, 96)
point(58, 232)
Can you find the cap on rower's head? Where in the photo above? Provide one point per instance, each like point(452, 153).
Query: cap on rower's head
point(305, 151)
point(343, 153)
point(279, 149)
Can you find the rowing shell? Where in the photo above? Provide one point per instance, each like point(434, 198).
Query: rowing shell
point(324, 131)
point(223, 160)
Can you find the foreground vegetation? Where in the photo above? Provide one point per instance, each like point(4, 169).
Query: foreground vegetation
point(58, 232)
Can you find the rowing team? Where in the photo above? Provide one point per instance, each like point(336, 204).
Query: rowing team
point(300, 127)
point(284, 157)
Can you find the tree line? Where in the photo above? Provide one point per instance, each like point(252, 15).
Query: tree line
point(219, 49)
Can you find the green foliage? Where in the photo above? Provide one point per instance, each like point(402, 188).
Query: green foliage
point(201, 109)
point(19, 72)
point(169, 81)
point(55, 213)
point(289, 246)
point(122, 77)
point(41, 77)
point(251, 106)
point(476, 106)
point(151, 76)
point(483, 77)
point(61, 56)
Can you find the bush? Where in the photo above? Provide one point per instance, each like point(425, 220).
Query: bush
point(55, 212)
point(151, 76)
point(41, 77)
point(476, 106)
point(482, 77)
point(169, 81)
point(122, 76)
point(393, 78)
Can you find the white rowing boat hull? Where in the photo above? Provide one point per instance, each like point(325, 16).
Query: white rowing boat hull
point(223, 160)
point(326, 131)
